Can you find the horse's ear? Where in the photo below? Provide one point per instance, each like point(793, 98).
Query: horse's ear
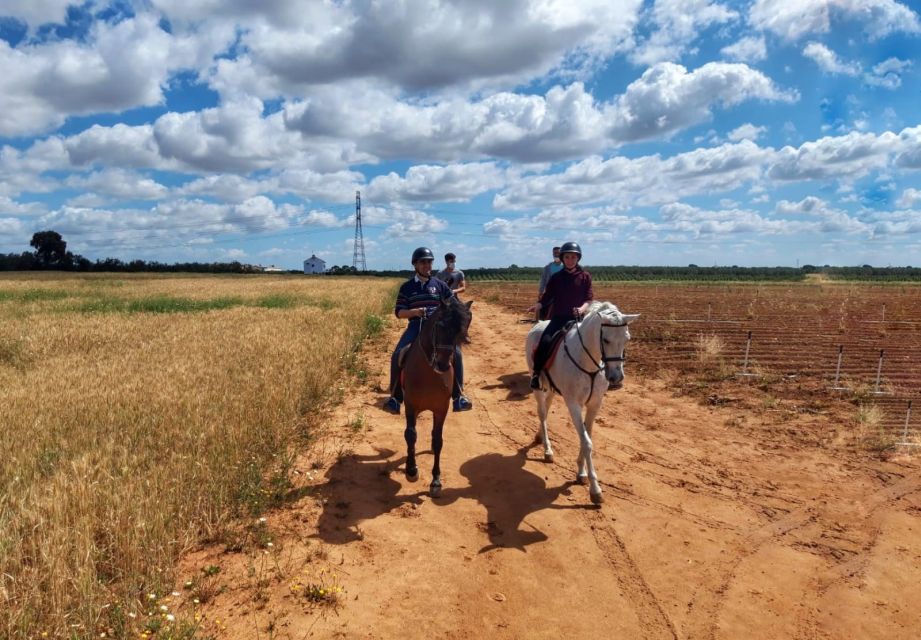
point(469, 303)
point(630, 317)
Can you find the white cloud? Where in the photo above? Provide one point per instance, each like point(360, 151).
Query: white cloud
point(167, 224)
point(639, 181)
point(36, 12)
point(678, 24)
point(119, 184)
point(909, 198)
point(894, 223)
point(702, 222)
point(792, 19)
point(910, 145)
point(747, 131)
point(852, 155)
point(564, 123)
point(829, 220)
point(424, 183)
point(119, 145)
point(322, 218)
point(415, 44)
point(12, 229)
point(650, 180)
point(10, 207)
point(400, 222)
point(668, 98)
point(748, 49)
point(888, 73)
point(828, 61)
point(122, 65)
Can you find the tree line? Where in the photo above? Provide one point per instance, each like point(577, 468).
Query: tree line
point(50, 253)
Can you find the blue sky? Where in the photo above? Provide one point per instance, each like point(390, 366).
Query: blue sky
point(664, 132)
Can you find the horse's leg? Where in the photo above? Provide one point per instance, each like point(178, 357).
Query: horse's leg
point(544, 399)
point(591, 412)
point(585, 451)
point(412, 471)
point(438, 423)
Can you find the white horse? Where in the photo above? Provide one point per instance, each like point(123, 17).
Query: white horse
point(590, 347)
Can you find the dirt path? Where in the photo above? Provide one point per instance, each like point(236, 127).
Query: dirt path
point(715, 525)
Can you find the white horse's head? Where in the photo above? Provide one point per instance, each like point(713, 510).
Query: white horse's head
point(613, 336)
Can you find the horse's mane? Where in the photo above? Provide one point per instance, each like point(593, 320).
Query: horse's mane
point(599, 306)
point(457, 316)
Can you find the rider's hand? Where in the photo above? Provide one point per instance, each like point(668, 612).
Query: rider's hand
point(577, 312)
point(534, 307)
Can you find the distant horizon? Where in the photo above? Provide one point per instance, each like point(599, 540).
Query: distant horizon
point(659, 132)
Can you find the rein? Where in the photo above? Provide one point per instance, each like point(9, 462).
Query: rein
point(436, 347)
point(604, 357)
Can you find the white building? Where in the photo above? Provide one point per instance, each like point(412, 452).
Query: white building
point(313, 264)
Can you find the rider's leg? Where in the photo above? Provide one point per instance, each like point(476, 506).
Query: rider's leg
point(396, 390)
point(461, 402)
point(458, 374)
point(543, 349)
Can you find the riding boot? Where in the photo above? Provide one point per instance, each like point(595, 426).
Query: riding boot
point(535, 380)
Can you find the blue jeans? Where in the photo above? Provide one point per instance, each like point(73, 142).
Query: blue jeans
point(412, 330)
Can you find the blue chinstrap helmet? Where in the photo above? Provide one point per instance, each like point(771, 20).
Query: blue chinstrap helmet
point(422, 253)
point(571, 247)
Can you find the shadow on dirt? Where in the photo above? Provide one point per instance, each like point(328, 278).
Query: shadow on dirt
point(515, 383)
point(361, 488)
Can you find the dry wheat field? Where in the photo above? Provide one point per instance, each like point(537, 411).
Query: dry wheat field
point(141, 414)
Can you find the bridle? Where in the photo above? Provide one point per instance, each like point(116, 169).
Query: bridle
point(436, 347)
point(605, 358)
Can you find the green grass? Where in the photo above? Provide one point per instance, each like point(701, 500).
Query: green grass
point(34, 295)
point(157, 304)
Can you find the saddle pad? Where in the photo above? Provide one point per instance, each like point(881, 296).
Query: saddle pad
point(554, 347)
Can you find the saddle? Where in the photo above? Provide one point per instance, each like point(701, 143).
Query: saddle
point(554, 344)
point(401, 355)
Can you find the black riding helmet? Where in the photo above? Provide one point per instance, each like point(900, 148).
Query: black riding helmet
point(423, 253)
point(571, 247)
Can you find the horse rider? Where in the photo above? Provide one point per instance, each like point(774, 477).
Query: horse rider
point(451, 275)
point(569, 291)
point(549, 269)
point(418, 298)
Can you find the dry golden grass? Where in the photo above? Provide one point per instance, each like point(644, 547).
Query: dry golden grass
point(128, 435)
point(709, 348)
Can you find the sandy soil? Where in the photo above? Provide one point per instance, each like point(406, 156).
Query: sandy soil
point(716, 524)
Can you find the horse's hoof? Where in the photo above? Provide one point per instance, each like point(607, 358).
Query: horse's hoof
point(597, 498)
point(581, 479)
point(435, 490)
point(412, 474)
point(548, 457)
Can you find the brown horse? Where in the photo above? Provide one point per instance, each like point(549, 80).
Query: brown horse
point(428, 377)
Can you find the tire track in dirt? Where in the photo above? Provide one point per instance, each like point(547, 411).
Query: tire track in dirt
point(654, 620)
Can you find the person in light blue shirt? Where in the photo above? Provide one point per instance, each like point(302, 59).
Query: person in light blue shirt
point(549, 270)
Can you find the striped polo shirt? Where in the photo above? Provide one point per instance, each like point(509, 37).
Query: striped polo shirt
point(415, 294)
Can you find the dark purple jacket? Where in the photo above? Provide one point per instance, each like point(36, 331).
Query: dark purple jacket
point(567, 290)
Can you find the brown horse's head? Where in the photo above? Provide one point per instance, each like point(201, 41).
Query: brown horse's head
point(449, 325)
